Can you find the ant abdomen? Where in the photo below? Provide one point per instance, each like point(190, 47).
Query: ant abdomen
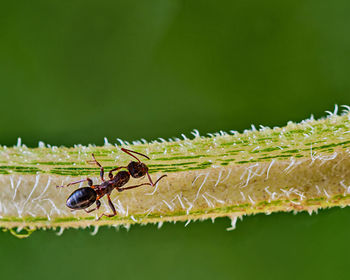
point(81, 198)
point(137, 169)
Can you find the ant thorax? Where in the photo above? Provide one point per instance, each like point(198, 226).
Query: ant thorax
point(121, 178)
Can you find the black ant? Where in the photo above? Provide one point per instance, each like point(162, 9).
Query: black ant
point(82, 198)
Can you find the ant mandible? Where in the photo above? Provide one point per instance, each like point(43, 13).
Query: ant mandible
point(82, 198)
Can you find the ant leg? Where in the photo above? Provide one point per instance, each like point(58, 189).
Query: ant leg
point(129, 152)
point(111, 206)
point(77, 182)
point(98, 204)
point(110, 175)
point(99, 165)
point(132, 187)
point(144, 184)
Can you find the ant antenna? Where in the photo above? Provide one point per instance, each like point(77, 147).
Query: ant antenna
point(129, 152)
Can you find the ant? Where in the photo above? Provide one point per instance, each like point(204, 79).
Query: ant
point(82, 198)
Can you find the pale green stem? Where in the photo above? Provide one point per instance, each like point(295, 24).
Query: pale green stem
point(298, 167)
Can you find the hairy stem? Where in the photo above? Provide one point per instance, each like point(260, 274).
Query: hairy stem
point(298, 167)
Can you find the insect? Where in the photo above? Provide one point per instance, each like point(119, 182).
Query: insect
point(83, 198)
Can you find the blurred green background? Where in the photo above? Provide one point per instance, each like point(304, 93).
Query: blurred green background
point(77, 71)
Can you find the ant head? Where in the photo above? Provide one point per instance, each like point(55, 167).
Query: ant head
point(137, 169)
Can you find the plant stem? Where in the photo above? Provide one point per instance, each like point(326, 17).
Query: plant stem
point(298, 167)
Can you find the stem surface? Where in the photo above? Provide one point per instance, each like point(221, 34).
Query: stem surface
point(298, 167)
